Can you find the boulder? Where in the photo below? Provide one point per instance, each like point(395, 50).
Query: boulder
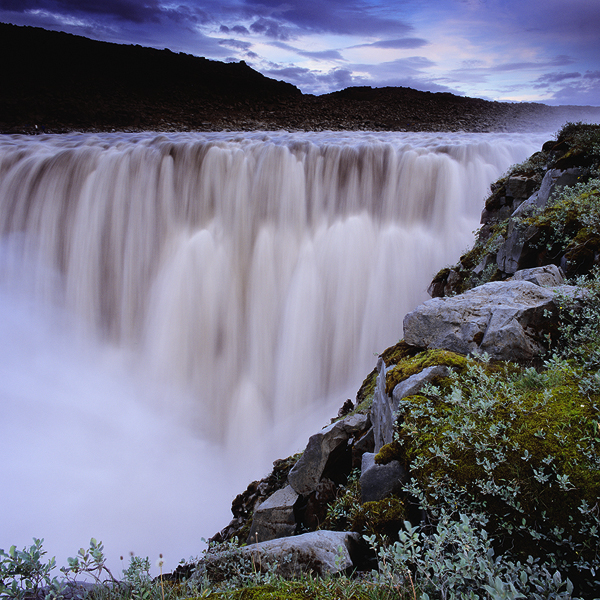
point(274, 518)
point(547, 276)
point(380, 481)
point(383, 409)
point(508, 320)
point(324, 449)
point(317, 552)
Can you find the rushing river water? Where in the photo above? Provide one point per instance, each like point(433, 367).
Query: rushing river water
point(177, 311)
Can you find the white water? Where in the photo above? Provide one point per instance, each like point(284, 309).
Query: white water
point(177, 311)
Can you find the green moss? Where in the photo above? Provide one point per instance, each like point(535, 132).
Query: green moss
point(415, 364)
point(398, 352)
point(388, 453)
point(364, 396)
point(382, 518)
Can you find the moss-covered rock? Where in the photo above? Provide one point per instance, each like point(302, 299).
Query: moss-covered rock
point(410, 365)
point(550, 232)
point(388, 453)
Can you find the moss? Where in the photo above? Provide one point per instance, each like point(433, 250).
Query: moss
point(388, 453)
point(382, 518)
point(415, 364)
point(398, 352)
point(260, 592)
point(364, 396)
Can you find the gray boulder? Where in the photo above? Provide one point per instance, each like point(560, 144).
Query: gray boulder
point(520, 187)
point(508, 320)
point(322, 448)
point(547, 276)
point(274, 518)
point(380, 481)
point(319, 552)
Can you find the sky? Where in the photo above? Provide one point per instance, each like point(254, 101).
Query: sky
point(506, 50)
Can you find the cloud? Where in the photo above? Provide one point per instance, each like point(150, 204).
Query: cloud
point(316, 82)
point(271, 28)
point(397, 44)
point(316, 55)
point(239, 29)
point(322, 55)
point(236, 44)
point(548, 78)
point(127, 10)
point(558, 61)
point(353, 17)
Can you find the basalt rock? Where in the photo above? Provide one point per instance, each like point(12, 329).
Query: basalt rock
point(383, 410)
point(319, 552)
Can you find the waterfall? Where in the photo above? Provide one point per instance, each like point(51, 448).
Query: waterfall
point(178, 308)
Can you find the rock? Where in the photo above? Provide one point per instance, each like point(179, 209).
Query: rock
point(553, 181)
point(510, 254)
point(274, 518)
point(380, 481)
point(319, 552)
point(383, 410)
point(520, 187)
point(508, 320)
point(548, 276)
point(365, 444)
point(324, 449)
point(318, 503)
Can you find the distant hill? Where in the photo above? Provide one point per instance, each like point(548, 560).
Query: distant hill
point(63, 82)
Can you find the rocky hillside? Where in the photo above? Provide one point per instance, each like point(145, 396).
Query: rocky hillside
point(471, 459)
point(58, 82)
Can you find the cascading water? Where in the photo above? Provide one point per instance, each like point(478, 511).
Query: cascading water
point(179, 310)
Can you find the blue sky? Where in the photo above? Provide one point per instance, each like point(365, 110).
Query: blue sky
point(507, 50)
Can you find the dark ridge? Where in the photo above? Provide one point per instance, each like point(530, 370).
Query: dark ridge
point(63, 82)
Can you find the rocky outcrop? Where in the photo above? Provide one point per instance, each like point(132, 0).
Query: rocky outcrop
point(507, 320)
point(383, 410)
point(522, 225)
point(319, 553)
